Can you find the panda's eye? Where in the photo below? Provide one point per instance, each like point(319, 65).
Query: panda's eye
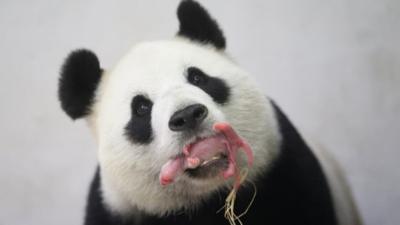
point(196, 76)
point(141, 106)
point(215, 87)
point(142, 109)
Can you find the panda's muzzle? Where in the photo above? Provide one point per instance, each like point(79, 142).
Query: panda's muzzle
point(188, 118)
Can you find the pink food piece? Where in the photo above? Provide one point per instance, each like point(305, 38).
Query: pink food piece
point(226, 141)
point(170, 170)
point(236, 142)
point(193, 162)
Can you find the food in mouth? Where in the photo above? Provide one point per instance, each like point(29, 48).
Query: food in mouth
point(209, 156)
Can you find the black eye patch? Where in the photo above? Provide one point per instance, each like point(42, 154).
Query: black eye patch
point(138, 128)
point(213, 86)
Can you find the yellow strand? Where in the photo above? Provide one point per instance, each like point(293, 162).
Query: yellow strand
point(229, 206)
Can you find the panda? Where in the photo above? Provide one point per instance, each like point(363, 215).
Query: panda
point(185, 136)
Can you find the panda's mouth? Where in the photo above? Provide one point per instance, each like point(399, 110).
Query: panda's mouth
point(209, 167)
point(208, 157)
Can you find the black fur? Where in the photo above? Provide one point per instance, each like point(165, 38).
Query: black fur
point(79, 78)
point(213, 86)
point(138, 128)
point(293, 192)
point(196, 24)
point(95, 210)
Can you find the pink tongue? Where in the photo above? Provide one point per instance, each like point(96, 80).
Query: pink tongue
point(226, 141)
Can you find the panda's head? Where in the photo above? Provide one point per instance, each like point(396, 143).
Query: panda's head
point(160, 98)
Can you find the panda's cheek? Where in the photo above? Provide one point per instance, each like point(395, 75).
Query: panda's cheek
point(215, 115)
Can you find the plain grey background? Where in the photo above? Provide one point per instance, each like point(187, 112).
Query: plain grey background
point(333, 66)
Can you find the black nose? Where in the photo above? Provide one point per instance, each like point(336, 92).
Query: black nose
point(188, 118)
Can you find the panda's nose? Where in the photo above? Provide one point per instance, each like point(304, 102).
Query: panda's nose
point(188, 118)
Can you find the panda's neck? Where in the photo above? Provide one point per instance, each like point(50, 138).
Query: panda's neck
point(293, 191)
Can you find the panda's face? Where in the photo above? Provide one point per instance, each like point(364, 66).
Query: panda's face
point(152, 111)
point(134, 114)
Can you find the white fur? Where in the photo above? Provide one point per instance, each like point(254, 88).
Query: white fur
point(129, 172)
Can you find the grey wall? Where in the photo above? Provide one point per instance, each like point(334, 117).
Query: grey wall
point(333, 66)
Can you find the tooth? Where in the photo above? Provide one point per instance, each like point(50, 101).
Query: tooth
point(210, 160)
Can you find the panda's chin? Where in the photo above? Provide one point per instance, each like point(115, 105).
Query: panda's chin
point(210, 168)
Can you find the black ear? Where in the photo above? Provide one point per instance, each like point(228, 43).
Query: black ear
point(196, 24)
point(79, 78)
